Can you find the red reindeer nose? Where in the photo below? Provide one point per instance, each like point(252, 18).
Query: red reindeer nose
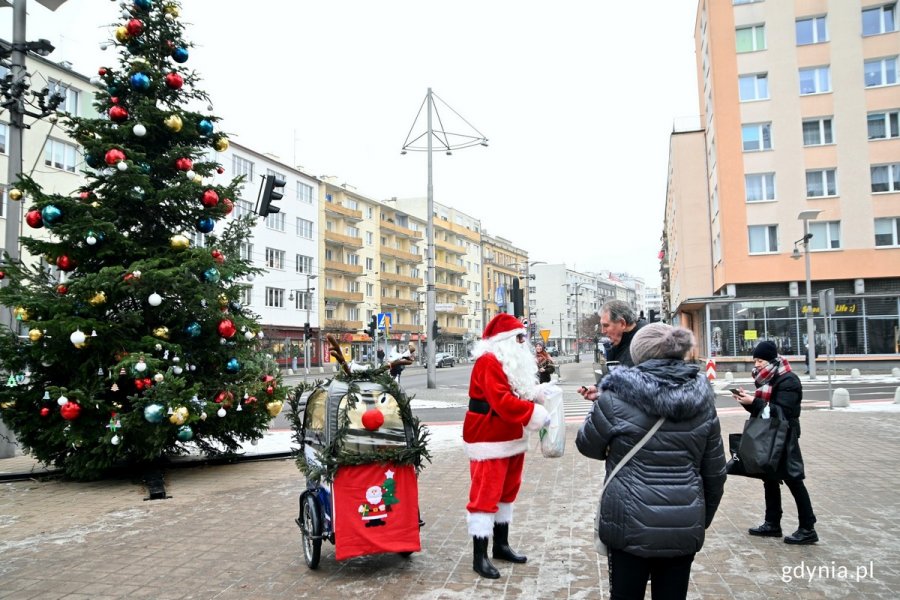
point(372, 419)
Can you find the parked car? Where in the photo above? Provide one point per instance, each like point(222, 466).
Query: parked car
point(441, 359)
point(552, 350)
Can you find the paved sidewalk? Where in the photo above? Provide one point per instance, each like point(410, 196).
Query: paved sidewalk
point(227, 532)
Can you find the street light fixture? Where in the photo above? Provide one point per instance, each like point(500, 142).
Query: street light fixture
point(306, 326)
point(806, 216)
point(577, 321)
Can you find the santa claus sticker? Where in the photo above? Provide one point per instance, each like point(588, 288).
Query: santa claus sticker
point(379, 502)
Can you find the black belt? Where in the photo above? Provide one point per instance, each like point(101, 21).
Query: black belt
point(480, 406)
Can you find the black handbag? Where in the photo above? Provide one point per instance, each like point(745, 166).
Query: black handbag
point(763, 442)
point(735, 466)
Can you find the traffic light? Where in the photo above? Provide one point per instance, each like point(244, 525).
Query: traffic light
point(270, 194)
point(307, 330)
point(518, 299)
point(373, 325)
point(435, 329)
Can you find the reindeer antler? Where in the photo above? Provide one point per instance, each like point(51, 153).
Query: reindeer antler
point(337, 353)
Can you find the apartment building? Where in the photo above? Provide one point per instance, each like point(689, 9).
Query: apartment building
point(799, 104)
point(505, 275)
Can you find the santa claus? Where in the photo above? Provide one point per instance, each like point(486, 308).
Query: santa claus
point(504, 402)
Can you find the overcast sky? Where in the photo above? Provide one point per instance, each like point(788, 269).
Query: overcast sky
point(577, 99)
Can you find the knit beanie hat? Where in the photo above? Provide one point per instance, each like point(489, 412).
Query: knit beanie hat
point(659, 340)
point(765, 350)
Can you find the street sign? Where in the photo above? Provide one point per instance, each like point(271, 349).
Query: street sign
point(545, 335)
point(384, 320)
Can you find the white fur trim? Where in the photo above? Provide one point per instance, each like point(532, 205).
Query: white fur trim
point(505, 335)
point(489, 450)
point(537, 418)
point(480, 524)
point(504, 513)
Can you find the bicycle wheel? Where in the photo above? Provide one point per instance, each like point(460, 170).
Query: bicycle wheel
point(310, 522)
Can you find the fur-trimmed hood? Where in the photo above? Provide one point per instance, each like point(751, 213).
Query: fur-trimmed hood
point(662, 387)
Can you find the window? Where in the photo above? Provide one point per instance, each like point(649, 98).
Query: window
point(247, 252)
point(821, 182)
point(242, 166)
point(887, 232)
point(883, 125)
point(303, 300)
point(370, 238)
point(757, 136)
point(826, 235)
point(3, 134)
point(881, 71)
point(886, 178)
point(370, 212)
point(352, 259)
point(275, 221)
point(759, 187)
point(304, 193)
point(61, 155)
point(750, 39)
point(881, 19)
point(70, 97)
point(275, 297)
point(4, 198)
point(763, 238)
point(745, 1)
point(304, 228)
point(246, 294)
point(303, 264)
point(370, 289)
point(811, 31)
point(815, 80)
point(370, 264)
point(817, 132)
point(351, 231)
point(754, 87)
point(351, 204)
point(242, 208)
point(274, 258)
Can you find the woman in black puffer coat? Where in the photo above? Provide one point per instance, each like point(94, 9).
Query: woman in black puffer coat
point(655, 512)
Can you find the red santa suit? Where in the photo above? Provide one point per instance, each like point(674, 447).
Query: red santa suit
point(494, 433)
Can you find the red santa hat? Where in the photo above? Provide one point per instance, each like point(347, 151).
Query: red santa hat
point(503, 326)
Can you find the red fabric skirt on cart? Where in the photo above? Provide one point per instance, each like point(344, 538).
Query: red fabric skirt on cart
point(376, 510)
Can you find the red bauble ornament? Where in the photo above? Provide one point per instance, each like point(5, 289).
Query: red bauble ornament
point(65, 263)
point(70, 411)
point(118, 113)
point(2, 275)
point(216, 254)
point(34, 219)
point(372, 419)
point(134, 27)
point(229, 205)
point(267, 378)
point(184, 164)
point(101, 71)
point(226, 328)
point(45, 411)
point(113, 99)
point(220, 170)
point(250, 400)
point(114, 156)
point(139, 384)
point(62, 289)
point(84, 195)
point(174, 81)
point(270, 390)
point(209, 199)
point(225, 399)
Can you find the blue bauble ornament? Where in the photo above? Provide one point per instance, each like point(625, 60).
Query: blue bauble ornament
point(233, 365)
point(205, 127)
point(180, 55)
point(91, 160)
point(211, 275)
point(205, 224)
point(51, 214)
point(154, 413)
point(193, 329)
point(185, 433)
point(140, 82)
point(142, 4)
point(235, 306)
point(144, 168)
point(112, 90)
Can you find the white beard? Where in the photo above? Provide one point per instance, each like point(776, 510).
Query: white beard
point(518, 363)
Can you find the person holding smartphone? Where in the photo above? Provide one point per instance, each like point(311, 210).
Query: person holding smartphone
point(619, 323)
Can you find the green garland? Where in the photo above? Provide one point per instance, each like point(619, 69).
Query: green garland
point(334, 455)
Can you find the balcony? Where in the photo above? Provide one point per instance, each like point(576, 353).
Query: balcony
point(400, 303)
point(333, 265)
point(467, 233)
point(402, 256)
point(349, 214)
point(450, 247)
point(339, 296)
point(453, 289)
point(406, 328)
point(454, 330)
point(448, 266)
point(342, 325)
point(396, 279)
point(337, 239)
point(398, 230)
point(456, 309)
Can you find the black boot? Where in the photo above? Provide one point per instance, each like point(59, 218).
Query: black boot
point(767, 529)
point(481, 563)
point(502, 551)
point(802, 536)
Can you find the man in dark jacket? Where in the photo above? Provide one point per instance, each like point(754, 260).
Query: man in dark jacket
point(655, 511)
point(619, 323)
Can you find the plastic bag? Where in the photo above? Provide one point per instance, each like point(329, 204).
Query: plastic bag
point(553, 437)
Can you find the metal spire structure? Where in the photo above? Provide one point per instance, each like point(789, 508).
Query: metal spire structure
point(447, 141)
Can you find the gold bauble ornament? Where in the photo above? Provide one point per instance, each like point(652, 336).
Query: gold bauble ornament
point(35, 334)
point(171, 9)
point(81, 345)
point(15, 194)
point(197, 179)
point(221, 144)
point(98, 299)
point(274, 407)
point(179, 416)
point(8, 405)
point(223, 300)
point(95, 204)
point(174, 123)
point(122, 34)
point(179, 242)
point(21, 313)
point(161, 332)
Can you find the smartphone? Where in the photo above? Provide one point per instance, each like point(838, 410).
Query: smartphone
point(582, 390)
point(735, 391)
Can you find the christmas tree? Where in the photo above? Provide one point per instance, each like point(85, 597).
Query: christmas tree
point(135, 345)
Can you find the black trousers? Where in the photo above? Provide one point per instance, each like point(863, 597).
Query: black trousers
point(628, 575)
point(805, 513)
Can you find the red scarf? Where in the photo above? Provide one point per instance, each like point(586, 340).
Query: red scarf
point(763, 377)
point(543, 358)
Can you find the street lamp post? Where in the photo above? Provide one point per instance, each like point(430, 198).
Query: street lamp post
point(577, 321)
point(806, 216)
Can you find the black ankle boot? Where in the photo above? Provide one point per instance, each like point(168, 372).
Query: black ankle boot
point(502, 551)
point(767, 529)
point(802, 536)
point(481, 563)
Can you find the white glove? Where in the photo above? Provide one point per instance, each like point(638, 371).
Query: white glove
point(547, 421)
point(539, 396)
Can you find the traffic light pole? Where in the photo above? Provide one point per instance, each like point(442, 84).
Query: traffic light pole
point(430, 299)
